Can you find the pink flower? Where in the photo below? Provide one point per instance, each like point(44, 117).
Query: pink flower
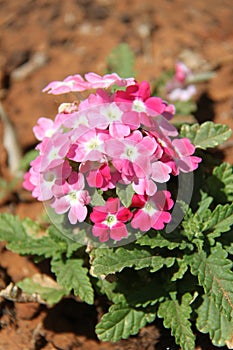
point(184, 161)
point(42, 183)
point(96, 81)
point(71, 83)
point(89, 146)
point(140, 96)
point(93, 100)
point(134, 150)
point(108, 115)
point(109, 220)
point(72, 198)
point(44, 128)
point(178, 88)
point(152, 212)
point(26, 181)
point(159, 173)
point(100, 175)
point(52, 152)
point(182, 94)
point(76, 83)
point(182, 72)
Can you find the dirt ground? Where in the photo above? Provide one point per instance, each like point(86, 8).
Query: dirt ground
point(46, 40)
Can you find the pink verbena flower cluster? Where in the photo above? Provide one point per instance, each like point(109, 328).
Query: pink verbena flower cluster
point(106, 141)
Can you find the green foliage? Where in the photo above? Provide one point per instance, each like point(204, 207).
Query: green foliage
point(72, 275)
point(215, 276)
point(50, 294)
point(220, 220)
point(121, 321)
point(109, 261)
point(164, 240)
point(220, 184)
point(206, 135)
point(97, 199)
point(212, 320)
point(121, 60)
point(125, 194)
point(23, 237)
point(176, 316)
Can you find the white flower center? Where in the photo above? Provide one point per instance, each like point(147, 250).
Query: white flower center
point(49, 132)
point(138, 106)
point(112, 112)
point(111, 220)
point(93, 144)
point(74, 197)
point(131, 153)
point(149, 209)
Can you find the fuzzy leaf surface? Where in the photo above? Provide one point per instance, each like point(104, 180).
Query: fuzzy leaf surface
point(70, 245)
point(220, 184)
point(213, 321)
point(121, 321)
point(206, 135)
point(176, 317)
point(161, 240)
point(220, 221)
point(51, 295)
point(215, 275)
point(21, 237)
point(107, 261)
point(72, 275)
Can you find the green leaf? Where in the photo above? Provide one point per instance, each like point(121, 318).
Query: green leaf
point(22, 237)
point(220, 185)
point(97, 199)
point(206, 135)
point(215, 275)
point(72, 275)
point(192, 225)
point(125, 194)
point(70, 245)
point(176, 317)
point(109, 289)
point(163, 240)
point(220, 220)
point(202, 211)
point(183, 266)
point(44, 246)
point(51, 293)
point(213, 321)
point(108, 261)
point(121, 61)
point(121, 321)
point(11, 228)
